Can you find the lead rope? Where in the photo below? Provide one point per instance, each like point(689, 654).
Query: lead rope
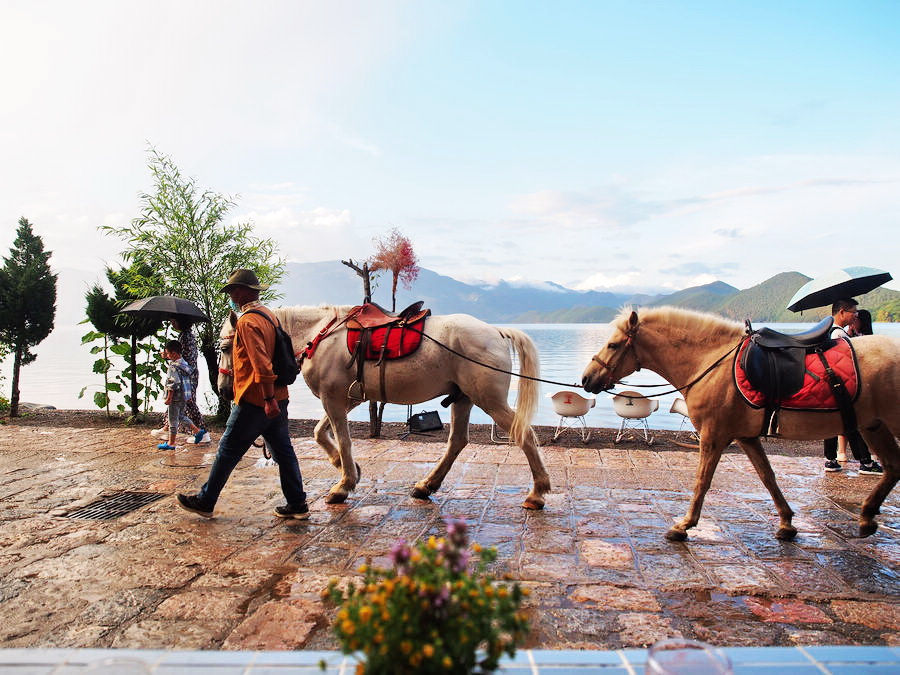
point(706, 372)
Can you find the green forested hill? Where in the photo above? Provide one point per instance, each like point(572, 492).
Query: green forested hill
point(703, 298)
point(768, 301)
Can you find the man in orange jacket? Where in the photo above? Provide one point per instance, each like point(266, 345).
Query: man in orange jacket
point(259, 408)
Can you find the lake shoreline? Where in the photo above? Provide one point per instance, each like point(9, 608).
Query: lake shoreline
point(601, 437)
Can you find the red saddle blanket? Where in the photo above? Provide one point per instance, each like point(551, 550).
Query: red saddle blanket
point(816, 391)
point(402, 340)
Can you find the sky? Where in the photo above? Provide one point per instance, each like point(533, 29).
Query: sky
point(625, 145)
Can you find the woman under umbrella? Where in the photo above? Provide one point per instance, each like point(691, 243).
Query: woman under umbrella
point(189, 353)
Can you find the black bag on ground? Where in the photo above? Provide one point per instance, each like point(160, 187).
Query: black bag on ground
point(425, 421)
point(284, 360)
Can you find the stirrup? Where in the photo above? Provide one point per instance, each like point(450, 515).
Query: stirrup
point(356, 391)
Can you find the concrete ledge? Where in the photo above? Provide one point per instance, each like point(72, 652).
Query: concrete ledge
point(745, 660)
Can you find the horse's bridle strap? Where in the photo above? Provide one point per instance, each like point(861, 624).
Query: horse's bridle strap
point(629, 342)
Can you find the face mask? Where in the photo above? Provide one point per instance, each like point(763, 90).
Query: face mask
point(236, 307)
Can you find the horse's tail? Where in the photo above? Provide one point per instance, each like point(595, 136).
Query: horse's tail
point(527, 398)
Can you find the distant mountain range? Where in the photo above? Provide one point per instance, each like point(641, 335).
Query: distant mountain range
point(334, 283)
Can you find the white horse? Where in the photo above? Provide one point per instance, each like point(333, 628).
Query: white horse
point(429, 372)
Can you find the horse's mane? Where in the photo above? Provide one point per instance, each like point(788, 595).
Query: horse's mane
point(685, 321)
point(294, 318)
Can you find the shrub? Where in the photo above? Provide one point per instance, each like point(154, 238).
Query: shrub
point(428, 613)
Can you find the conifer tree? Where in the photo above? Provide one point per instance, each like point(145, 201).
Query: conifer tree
point(27, 302)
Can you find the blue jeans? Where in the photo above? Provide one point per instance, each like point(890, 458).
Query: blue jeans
point(245, 423)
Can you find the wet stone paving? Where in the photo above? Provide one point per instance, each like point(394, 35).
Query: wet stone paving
point(601, 572)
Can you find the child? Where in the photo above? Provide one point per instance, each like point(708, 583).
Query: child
point(178, 392)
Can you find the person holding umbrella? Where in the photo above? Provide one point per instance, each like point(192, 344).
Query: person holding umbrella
point(844, 312)
point(184, 326)
point(182, 314)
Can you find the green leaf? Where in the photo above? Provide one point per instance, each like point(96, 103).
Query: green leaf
point(120, 408)
point(96, 349)
point(114, 386)
point(101, 399)
point(81, 393)
point(102, 365)
point(122, 349)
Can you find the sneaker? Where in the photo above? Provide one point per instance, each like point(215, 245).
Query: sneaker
point(192, 504)
point(165, 446)
point(871, 468)
point(201, 436)
point(832, 465)
point(841, 456)
point(162, 432)
point(300, 513)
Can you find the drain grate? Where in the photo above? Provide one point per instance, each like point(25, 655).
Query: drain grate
point(115, 505)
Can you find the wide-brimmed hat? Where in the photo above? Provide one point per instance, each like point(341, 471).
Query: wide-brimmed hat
point(243, 277)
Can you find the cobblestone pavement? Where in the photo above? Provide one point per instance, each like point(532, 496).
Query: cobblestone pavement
point(602, 574)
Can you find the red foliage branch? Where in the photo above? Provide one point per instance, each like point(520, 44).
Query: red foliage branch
point(394, 252)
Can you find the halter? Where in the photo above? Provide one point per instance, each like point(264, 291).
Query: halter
point(629, 342)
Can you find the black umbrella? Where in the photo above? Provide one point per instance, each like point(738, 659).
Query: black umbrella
point(166, 307)
point(845, 283)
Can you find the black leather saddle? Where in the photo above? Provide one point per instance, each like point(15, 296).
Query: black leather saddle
point(775, 363)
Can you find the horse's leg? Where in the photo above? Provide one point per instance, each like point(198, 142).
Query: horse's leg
point(325, 439)
point(459, 438)
point(882, 441)
point(710, 452)
point(754, 449)
point(336, 410)
point(503, 416)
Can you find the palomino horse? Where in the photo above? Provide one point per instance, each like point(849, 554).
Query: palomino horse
point(429, 372)
point(681, 345)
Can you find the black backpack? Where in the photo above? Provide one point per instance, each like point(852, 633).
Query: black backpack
point(284, 360)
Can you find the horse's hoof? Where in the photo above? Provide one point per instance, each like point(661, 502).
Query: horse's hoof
point(533, 505)
point(420, 493)
point(868, 529)
point(674, 534)
point(786, 533)
point(335, 498)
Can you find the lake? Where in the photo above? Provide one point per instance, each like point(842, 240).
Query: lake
point(63, 367)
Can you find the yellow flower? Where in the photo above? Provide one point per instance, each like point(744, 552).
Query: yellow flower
point(447, 662)
point(363, 568)
point(526, 592)
point(343, 615)
point(406, 646)
point(502, 592)
point(416, 556)
point(378, 638)
point(432, 543)
point(348, 627)
point(415, 660)
point(385, 616)
point(476, 547)
point(388, 585)
point(428, 651)
point(365, 613)
point(489, 591)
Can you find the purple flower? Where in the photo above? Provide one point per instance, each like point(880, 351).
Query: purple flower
point(400, 553)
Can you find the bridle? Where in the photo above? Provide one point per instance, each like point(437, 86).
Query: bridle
point(225, 345)
point(629, 343)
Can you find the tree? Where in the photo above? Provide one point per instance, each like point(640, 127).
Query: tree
point(395, 253)
point(27, 302)
point(182, 236)
point(123, 335)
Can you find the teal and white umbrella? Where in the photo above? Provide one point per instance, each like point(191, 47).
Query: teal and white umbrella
point(843, 283)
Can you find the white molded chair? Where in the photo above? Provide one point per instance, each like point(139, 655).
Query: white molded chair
point(571, 408)
point(634, 409)
point(680, 408)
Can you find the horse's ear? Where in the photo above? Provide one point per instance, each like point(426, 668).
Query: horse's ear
point(232, 319)
point(633, 319)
